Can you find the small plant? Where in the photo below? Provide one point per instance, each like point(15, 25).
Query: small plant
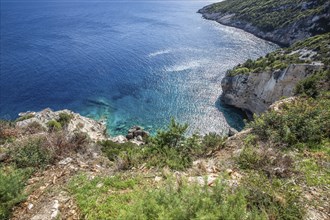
point(313, 85)
point(64, 118)
point(12, 183)
point(8, 132)
point(213, 141)
point(278, 200)
point(34, 127)
point(54, 125)
point(31, 154)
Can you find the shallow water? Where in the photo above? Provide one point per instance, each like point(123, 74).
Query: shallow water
point(126, 62)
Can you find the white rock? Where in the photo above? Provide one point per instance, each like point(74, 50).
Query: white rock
point(30, 206)
point(65, 161)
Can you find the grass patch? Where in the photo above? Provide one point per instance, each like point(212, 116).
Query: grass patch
point(101, 198)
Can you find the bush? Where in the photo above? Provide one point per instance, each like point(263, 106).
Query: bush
point(31, 154)
point(169, 147)
point(213, 141)
point(313, 85)
point(54, 125)
point(64, 118)
point(304, 121)
point(269, 161)
point(34, 127)
point(274, 197)
point(126, 155)
point(7, 131)
point(12, 183)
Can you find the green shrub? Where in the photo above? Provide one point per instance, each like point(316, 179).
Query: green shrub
point(315, 84)
point(305, 121)
point(168, 147)
point(31, 154)
point(34, 127)
point(126, 155)
point(12, 183)
point(64, 118)
point(212, 141)
point(54, 125)
point(274, 197)
point(8, 132)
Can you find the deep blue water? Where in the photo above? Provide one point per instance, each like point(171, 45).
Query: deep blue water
point(126, 62)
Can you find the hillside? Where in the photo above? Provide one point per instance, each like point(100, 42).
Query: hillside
point(283, 22)
point(275, 169)
point(61, 165)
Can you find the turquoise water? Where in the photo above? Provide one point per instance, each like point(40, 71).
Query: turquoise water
point(125, 62)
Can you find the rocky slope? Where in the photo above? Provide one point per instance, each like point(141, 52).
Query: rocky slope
point(255, 85)
point(282, 22)
point(77, 123)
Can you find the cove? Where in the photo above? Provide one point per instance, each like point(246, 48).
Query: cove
point(126, 62)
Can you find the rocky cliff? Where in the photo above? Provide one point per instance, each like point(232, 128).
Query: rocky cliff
point(282, 22)
point(255, 92)
point(254, 85)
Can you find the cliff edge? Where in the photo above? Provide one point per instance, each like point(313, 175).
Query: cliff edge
point(282, 22)
point(255, 85)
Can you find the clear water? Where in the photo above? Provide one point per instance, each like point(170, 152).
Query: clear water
point(126, 62)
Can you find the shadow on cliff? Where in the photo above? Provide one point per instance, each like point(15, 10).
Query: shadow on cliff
point(234, 116)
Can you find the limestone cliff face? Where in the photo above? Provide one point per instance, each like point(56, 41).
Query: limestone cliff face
point(301, 29)
point(255, 92)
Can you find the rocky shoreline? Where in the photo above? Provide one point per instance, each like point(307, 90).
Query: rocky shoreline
point(285, 36)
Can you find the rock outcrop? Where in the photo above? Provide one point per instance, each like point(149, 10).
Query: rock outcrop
point(286, 35)
point(96, 130)
point(255, 92)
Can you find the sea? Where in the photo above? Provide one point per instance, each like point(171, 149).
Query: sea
point(124, 62)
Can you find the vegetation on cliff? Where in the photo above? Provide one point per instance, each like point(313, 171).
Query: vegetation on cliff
point(272, 14)
point(314, 49)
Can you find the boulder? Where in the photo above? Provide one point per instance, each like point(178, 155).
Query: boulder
point(130, 136)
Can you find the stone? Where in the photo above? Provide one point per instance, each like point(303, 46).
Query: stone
point(158, 179)
point(130, 136)
point(119, 139)
point(30, 206)
point(139, 138)
point(138, 133)
point(65, 161)
point(55, 210)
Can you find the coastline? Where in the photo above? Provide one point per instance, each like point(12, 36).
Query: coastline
point(283, 36)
